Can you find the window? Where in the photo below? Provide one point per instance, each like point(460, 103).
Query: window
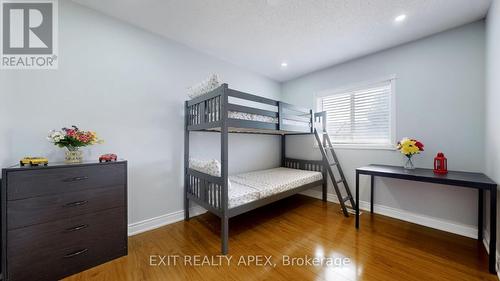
point(361, 116)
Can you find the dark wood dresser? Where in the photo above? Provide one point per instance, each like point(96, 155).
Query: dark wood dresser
point(62, 219)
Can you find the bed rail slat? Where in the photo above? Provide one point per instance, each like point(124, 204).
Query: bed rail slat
point(250, 97)
point(204, 111)
point(308, 165)
point(200, 175)
point(207, 96)
point(297, 118)
point(251, 110)
point(205, 190)
point(237, 123)
point(288, 112)
point(294, 128)
point(295, 107)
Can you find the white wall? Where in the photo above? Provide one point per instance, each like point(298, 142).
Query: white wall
point(129, 86)
point(493, 97)
point(440, 101)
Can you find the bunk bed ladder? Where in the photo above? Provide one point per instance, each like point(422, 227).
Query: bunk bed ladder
point(329, 163)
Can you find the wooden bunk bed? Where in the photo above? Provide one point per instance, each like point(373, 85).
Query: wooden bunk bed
point(227, 111)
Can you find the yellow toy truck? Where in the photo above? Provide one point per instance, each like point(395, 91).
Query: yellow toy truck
point(34, 161)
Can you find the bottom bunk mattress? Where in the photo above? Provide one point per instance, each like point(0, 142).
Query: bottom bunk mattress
point(248, 187)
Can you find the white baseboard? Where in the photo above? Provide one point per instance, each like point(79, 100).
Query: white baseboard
point(156, 222)
point(445, 225)
point(486, 243)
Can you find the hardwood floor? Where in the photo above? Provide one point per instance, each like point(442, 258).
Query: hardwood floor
point(384, 249)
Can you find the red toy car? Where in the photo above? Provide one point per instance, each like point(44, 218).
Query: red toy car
point(107, 158)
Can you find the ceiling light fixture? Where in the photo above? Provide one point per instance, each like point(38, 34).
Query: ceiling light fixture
point(400, 18)
point(284, 65)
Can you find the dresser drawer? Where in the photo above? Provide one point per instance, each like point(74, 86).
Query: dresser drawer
point(38, 182)
point(54, 250)
point(43, 209)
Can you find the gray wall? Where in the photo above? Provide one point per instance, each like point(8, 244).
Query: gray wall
point(439, 100)
point(493, 96)
point(129, 86)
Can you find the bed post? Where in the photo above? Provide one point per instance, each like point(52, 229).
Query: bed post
point(324, 170)
point(312, 119)
point(324, 186)
point(283, 136)
point(224, 174)
point(186, 161)
point(283, 150)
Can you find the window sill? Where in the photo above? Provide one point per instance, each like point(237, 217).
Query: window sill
point(363, 146)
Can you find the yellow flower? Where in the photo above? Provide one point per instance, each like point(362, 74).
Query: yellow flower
point(408, 147)
point(95, 138)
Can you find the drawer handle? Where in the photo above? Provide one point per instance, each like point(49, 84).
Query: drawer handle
point(74, 254)
point(75, 179)
point(75, 204)
point(76, 228)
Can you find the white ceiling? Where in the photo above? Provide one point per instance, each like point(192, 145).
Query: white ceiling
point(308, 34)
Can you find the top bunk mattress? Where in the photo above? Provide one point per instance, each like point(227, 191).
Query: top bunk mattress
point(274, 181)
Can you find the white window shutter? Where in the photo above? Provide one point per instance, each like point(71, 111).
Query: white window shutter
point(361, 116)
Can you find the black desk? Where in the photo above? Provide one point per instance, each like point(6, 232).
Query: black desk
point(472, 180)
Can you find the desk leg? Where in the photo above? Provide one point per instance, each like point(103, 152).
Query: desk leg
point(372, 186)
point(357, 200)
point(493, 229)
point(480, 210)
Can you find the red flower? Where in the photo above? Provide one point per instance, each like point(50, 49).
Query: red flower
point(83, 137)
point(70, 132)
point(419, 145)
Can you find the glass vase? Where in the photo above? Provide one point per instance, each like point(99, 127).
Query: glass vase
point(409, 163)
point(73, 155)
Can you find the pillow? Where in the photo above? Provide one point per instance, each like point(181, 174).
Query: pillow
point(212, 167)
point(211, 83)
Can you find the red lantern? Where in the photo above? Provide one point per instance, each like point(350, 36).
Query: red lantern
point(440, 164)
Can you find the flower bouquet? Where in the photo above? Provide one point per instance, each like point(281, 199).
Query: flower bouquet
point(73, 139)
point(409, 147)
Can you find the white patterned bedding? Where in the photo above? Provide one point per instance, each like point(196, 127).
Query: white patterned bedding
point(205, 86)
point(240, 194)
point(267, 183)
point(248, 187)
point(263, 118)
point(252, 117)
point(260, 118)
point(211, 167)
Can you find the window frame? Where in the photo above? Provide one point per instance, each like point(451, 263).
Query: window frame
point(358, 86)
